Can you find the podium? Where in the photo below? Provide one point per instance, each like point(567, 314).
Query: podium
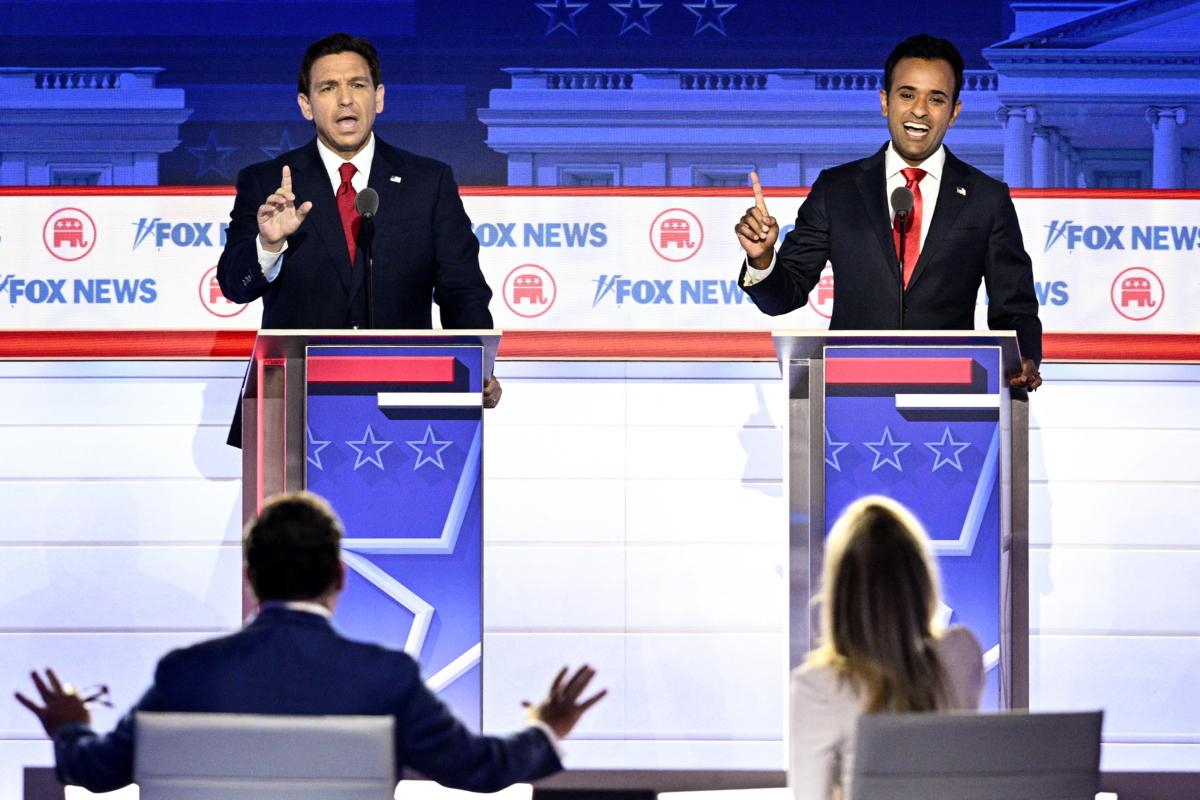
point(387, 426)
point(927, 418)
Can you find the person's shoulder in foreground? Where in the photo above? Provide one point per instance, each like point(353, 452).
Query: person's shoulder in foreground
point(290, 660)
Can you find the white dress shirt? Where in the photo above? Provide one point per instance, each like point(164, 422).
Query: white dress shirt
point(892, 166)
point(272, 263)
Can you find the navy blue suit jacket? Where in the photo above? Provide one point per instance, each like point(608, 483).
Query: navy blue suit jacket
point(293, 662)
point(974, 236)
point(424, 249)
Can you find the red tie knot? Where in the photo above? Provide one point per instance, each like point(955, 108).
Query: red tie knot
point(347, 171)
point(912, 176)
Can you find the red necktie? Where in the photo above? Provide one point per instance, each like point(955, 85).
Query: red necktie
point(345, 201)
point(912, 228)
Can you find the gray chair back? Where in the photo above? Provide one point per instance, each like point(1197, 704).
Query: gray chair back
point(256, 757)
point(968, 756)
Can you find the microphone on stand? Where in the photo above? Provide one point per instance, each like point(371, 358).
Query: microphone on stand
point(367, 203)
point(902, 202)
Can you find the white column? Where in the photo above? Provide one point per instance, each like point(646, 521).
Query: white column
point(1063, 161)
point(1018, 124)
point(1043, 158)
point(1168, 152)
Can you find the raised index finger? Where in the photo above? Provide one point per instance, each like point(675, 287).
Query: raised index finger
point(286, 185)
point(759, 202)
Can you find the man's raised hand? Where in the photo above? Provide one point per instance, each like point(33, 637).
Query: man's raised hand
point(278, 216)
point(562, 708)
point(757, 230)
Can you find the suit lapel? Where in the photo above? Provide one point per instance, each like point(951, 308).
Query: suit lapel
point(872, 186)
point(310, 181)
point(950, 203)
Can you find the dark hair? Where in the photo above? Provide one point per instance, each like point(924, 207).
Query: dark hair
point(333, 44)
point(929, 48)
point(293, 548)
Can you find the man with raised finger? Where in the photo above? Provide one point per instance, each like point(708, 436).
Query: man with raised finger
point(295, 237)
point(959, 228)
point(291, 660)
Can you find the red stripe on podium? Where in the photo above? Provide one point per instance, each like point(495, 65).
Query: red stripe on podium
point(44, 345)
point(917, 371)
point(374, 369)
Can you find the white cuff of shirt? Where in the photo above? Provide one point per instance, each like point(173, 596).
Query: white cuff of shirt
point(555, 742)
point(753, 275)
point(270, 263)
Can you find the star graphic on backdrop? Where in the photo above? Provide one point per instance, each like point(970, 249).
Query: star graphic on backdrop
point(832, 453)
point(368, 449)
point(429, 450)
point(315, 446)
point(635, 15)
point(212, 157)
point(562, 15)
point(285, 144)
point(710, 14)
point(942, 457)
point(892, 447)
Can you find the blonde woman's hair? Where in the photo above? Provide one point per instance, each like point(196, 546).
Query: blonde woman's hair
point(879, 598)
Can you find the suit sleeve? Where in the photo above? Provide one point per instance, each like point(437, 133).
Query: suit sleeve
point(432, 741)
point(801, 257)
point(814, 749)
point(238, 270)
point(459, 287)
point(101, 763)
point(1008, 276)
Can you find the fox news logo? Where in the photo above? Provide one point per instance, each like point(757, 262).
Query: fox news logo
point(669, 292)
point(65, 291)
point(541, 234)
point(178, 234)
point(1068, 234)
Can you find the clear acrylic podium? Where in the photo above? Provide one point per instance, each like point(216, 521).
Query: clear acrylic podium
point(927, 418)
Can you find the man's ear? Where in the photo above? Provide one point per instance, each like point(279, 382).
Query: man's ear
point(379, 99)
point(305, 106)
point(341, 576)
point(883, 101)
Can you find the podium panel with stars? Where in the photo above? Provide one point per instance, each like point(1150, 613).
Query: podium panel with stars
point(394, 441)
point(926, 418)
point(922, 426)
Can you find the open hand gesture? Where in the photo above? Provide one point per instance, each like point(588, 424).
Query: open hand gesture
point(63, 704)
point(279, 216)
point(757, 230)
point(559, 709)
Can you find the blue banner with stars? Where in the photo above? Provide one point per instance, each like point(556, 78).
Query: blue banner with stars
point(922, 426)
point(404, 473)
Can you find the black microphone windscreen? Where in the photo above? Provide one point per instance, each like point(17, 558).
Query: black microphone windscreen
point(367, 202)
point(902, 200)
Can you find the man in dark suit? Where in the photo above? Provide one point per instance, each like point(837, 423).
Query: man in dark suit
point(290, 660)
point(961, 230)
point(296, 240)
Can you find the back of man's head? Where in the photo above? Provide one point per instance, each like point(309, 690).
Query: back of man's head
point(293, 548)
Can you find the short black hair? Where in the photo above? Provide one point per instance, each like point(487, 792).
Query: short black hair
point(333, 44)
point(929, 48)
point(293, 548)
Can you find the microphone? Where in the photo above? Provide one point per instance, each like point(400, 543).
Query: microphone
point(902, 201)
point(367, 202)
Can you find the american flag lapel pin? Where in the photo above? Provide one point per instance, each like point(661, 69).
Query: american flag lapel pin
point(962, 190)
point(395, 179)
